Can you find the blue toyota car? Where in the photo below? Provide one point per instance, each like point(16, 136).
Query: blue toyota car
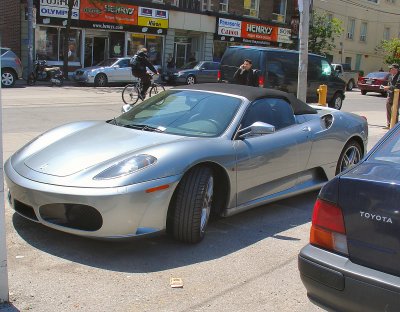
point(353, 260)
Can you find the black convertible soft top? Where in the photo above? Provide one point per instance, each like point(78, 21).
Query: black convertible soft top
point(254, 93)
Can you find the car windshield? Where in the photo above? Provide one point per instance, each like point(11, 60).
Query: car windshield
point(389, 151)
point(379, 75)
point(183, 112)
point(107, 62)
point(190, 65)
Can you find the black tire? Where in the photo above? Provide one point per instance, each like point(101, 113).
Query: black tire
point(337, 101)
point(350, 85)
point(130, 94)
point(351, 154)
point(363, 92)
point(8, 78)
point(155, 89)
point(190, 80)
point(192, 205)
point(100, 80)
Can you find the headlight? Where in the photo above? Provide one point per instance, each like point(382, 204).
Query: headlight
point(126, 167)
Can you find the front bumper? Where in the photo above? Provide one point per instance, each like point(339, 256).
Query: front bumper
point(124, 211)
point(335, 283)
point(83, 78)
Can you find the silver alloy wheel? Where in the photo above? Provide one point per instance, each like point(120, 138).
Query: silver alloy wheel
point(7, 79)
point(190, 80)
point(207, 202)
point(350, 157)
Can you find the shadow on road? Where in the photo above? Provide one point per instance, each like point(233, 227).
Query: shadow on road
point(224, 236)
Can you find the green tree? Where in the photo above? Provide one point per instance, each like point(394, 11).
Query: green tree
point(322, 33)
point(391, 50)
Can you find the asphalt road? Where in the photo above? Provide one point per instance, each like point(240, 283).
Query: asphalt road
point(247, 262)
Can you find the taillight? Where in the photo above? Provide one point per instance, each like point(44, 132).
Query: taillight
point(261, 81)
point(219, 75)
point(328, 230)
point(17, 61)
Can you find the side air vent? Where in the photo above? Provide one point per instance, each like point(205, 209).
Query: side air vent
point(326, 121)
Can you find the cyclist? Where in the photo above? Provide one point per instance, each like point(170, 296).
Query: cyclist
point(139, 62)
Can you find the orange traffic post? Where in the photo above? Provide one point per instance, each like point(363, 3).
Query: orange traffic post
point(322, 93)
point(395, 108)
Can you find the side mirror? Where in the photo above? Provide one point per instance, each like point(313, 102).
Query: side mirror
point(256, 129)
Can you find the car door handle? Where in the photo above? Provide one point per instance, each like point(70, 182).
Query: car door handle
point(306, 129)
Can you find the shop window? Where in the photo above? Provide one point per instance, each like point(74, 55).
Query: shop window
point(47, 43)
point(74, 39)
point(117, 44)
point(153, 44)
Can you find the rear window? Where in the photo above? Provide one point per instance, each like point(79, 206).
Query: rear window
point(389, 151)
point(2, 51)
point(379, 75)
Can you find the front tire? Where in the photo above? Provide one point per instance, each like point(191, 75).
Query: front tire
point(156, 89)
point(8, 78)
point(100, 80)
point(336, 101)
point(192, 205)
point(363, 92)
point(351, 155)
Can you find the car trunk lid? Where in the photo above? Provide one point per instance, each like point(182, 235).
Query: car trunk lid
point(369, 196)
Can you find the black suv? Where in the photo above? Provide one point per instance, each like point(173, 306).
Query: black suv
point(279, 69)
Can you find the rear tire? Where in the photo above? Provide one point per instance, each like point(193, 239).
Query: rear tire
point(8, 78)
point(350, 155)
point(130, 94)
point(155, 89)
point(191, 80)
point(363, 92)
point(100, 80)
point(192, 205)
point(337, 101)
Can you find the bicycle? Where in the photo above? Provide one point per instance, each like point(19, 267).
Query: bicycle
point(131, 92)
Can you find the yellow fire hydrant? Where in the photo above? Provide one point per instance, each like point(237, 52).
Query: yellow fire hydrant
point(322, 93)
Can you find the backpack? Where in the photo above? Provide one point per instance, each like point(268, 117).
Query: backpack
point(136, 64)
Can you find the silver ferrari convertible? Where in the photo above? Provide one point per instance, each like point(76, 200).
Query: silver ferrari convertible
point(179, 157)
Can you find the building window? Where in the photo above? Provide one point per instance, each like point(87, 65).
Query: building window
point(251, 7)
point(386, 33)
point(223, 5)
point(279, 11)
point(206, 5)
point(350, 28)
point(347, 60)
point(363, 32)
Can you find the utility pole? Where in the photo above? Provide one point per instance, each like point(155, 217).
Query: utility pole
point(3, 247)
point(304, 11)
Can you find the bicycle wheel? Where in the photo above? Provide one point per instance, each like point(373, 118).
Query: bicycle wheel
point(130, 94)
point(156, 88)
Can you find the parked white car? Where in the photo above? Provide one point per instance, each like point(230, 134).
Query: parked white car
point(349, 76)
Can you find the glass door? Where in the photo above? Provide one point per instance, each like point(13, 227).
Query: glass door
point(180, 54)
point(95, 50)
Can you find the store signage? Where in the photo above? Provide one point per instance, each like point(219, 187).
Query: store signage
point(256, 31)
point(228, 27)
point(284, 35)
point(108, 12)
point(58, 8)
point(150, 17)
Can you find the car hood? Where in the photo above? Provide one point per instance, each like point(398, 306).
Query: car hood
point(100, 145)
point(186, 71)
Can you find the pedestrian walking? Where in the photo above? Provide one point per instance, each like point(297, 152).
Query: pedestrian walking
point(394, 83)
point(246, 75)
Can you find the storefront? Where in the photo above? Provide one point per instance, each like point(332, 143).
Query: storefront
point(235, 32)
point(99, 30)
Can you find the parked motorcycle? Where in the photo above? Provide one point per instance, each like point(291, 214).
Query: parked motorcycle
point(43, 72)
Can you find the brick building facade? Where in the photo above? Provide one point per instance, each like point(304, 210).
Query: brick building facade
point(10, 25)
